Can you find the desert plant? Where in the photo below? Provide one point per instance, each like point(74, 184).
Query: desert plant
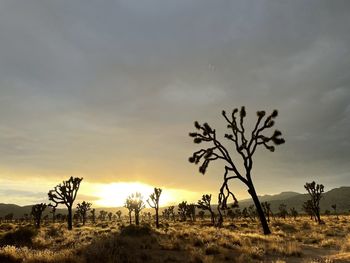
point(334, 207)
point(266, 206)
point(182, 210)
point(93, 215)
point(191, 212)
point(103, 215)
point(294, 213)
point(119, 214)
point(283, 212)
point(136, 204)
point(53, 212)
point(110, 214)
point(244, 146)
point(82, 210)
point(66, 193)
point(307, 208)
point(315, 191)
point(155, 203)
point(37, 211)
point(201, 214)
point(204, 204)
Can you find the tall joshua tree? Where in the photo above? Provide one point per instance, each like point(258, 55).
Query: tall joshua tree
point(134, 203)
point(66, 193)
point(315, 191)
point(155, 203)
point(93, 215)
point(204, 204)
point(37, 211)
point(244, 146)
point(119, 214)
point(182, 210)
point(82, 209)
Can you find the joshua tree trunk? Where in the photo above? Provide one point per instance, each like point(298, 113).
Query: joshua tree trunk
point(137, 221)
point(69, 219)
point(129, 218)
point(157, 218)
point(259, 209)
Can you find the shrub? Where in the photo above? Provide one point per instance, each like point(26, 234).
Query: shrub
point(21, 237)
point(133, 230)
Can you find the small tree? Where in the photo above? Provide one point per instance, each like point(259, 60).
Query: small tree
point(204, 204)
point(53, 212)
point(82, 210)
point(307, 207)
point(128, 205)
point(182, 210)
point(283, 212)
point(103, 215)
point(93, 215)
point(155, 203)
point(334, 207)
point(201, 214)
point(294, 213)
point(191, 212)
point(266, 206)
point(110, 214)
point(136, 204)
point(119, 214)
point(37, 211)
point(66, 193)
point(244, 146)
point(315, 191)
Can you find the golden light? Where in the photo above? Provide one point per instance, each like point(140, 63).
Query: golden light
point(115, 194)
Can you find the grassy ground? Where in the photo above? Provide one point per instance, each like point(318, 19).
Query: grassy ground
point(298, 240)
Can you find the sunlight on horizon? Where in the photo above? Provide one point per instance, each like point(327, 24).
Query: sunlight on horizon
point(115, 194)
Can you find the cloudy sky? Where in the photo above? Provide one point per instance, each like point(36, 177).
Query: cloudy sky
point(108, 90)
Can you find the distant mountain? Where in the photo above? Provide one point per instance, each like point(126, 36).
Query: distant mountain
point(339, 196)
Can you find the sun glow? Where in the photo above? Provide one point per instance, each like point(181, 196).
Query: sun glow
point(115, 194)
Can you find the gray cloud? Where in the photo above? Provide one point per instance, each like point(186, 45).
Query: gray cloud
point(115, 86)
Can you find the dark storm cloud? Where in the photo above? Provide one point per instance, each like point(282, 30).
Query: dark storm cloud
point(116, 85)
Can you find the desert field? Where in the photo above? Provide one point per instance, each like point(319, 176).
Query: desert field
point(241, 240)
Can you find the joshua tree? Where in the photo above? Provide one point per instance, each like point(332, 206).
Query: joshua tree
point(182, 210)
point(53, 212)
point(82, 210)
point(315, 191)
point(37, 211)
point(244, 146)
point(266, 206)
point(128, 205)
point(201, 214)
point(155, 203)
point(66, 193)
point(204, 204)
point(283, 210)
point(191, 212)
point(119, 214)
point(110, 214)
point(93, 215)
point(307, 207)
point(102, 215)
point(294, 213)
point(334, 207)
point(136, 204)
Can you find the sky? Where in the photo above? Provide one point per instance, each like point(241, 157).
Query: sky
point(108, 91)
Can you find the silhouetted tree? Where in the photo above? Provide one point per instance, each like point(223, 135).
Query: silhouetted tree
point(102, 216)
point(53, 212)
point(244, 146)
point(93, 215)
point(294, 213)
point(119, 214)
point(283, 212)
point(82, 210)
point(128, 205)
point(315, 191)
point(307, 207)
point(191, 212)
point(110, 214)
point(37, 211)
point(201, 214)
point(136, 204)
point(155, 203)
point(334, 207)
point(66, 193)
point(182, 210)
point(266, 206)
point(204, 204)
point(8, 217)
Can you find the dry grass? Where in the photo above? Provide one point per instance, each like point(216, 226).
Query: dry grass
point(291, 241)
